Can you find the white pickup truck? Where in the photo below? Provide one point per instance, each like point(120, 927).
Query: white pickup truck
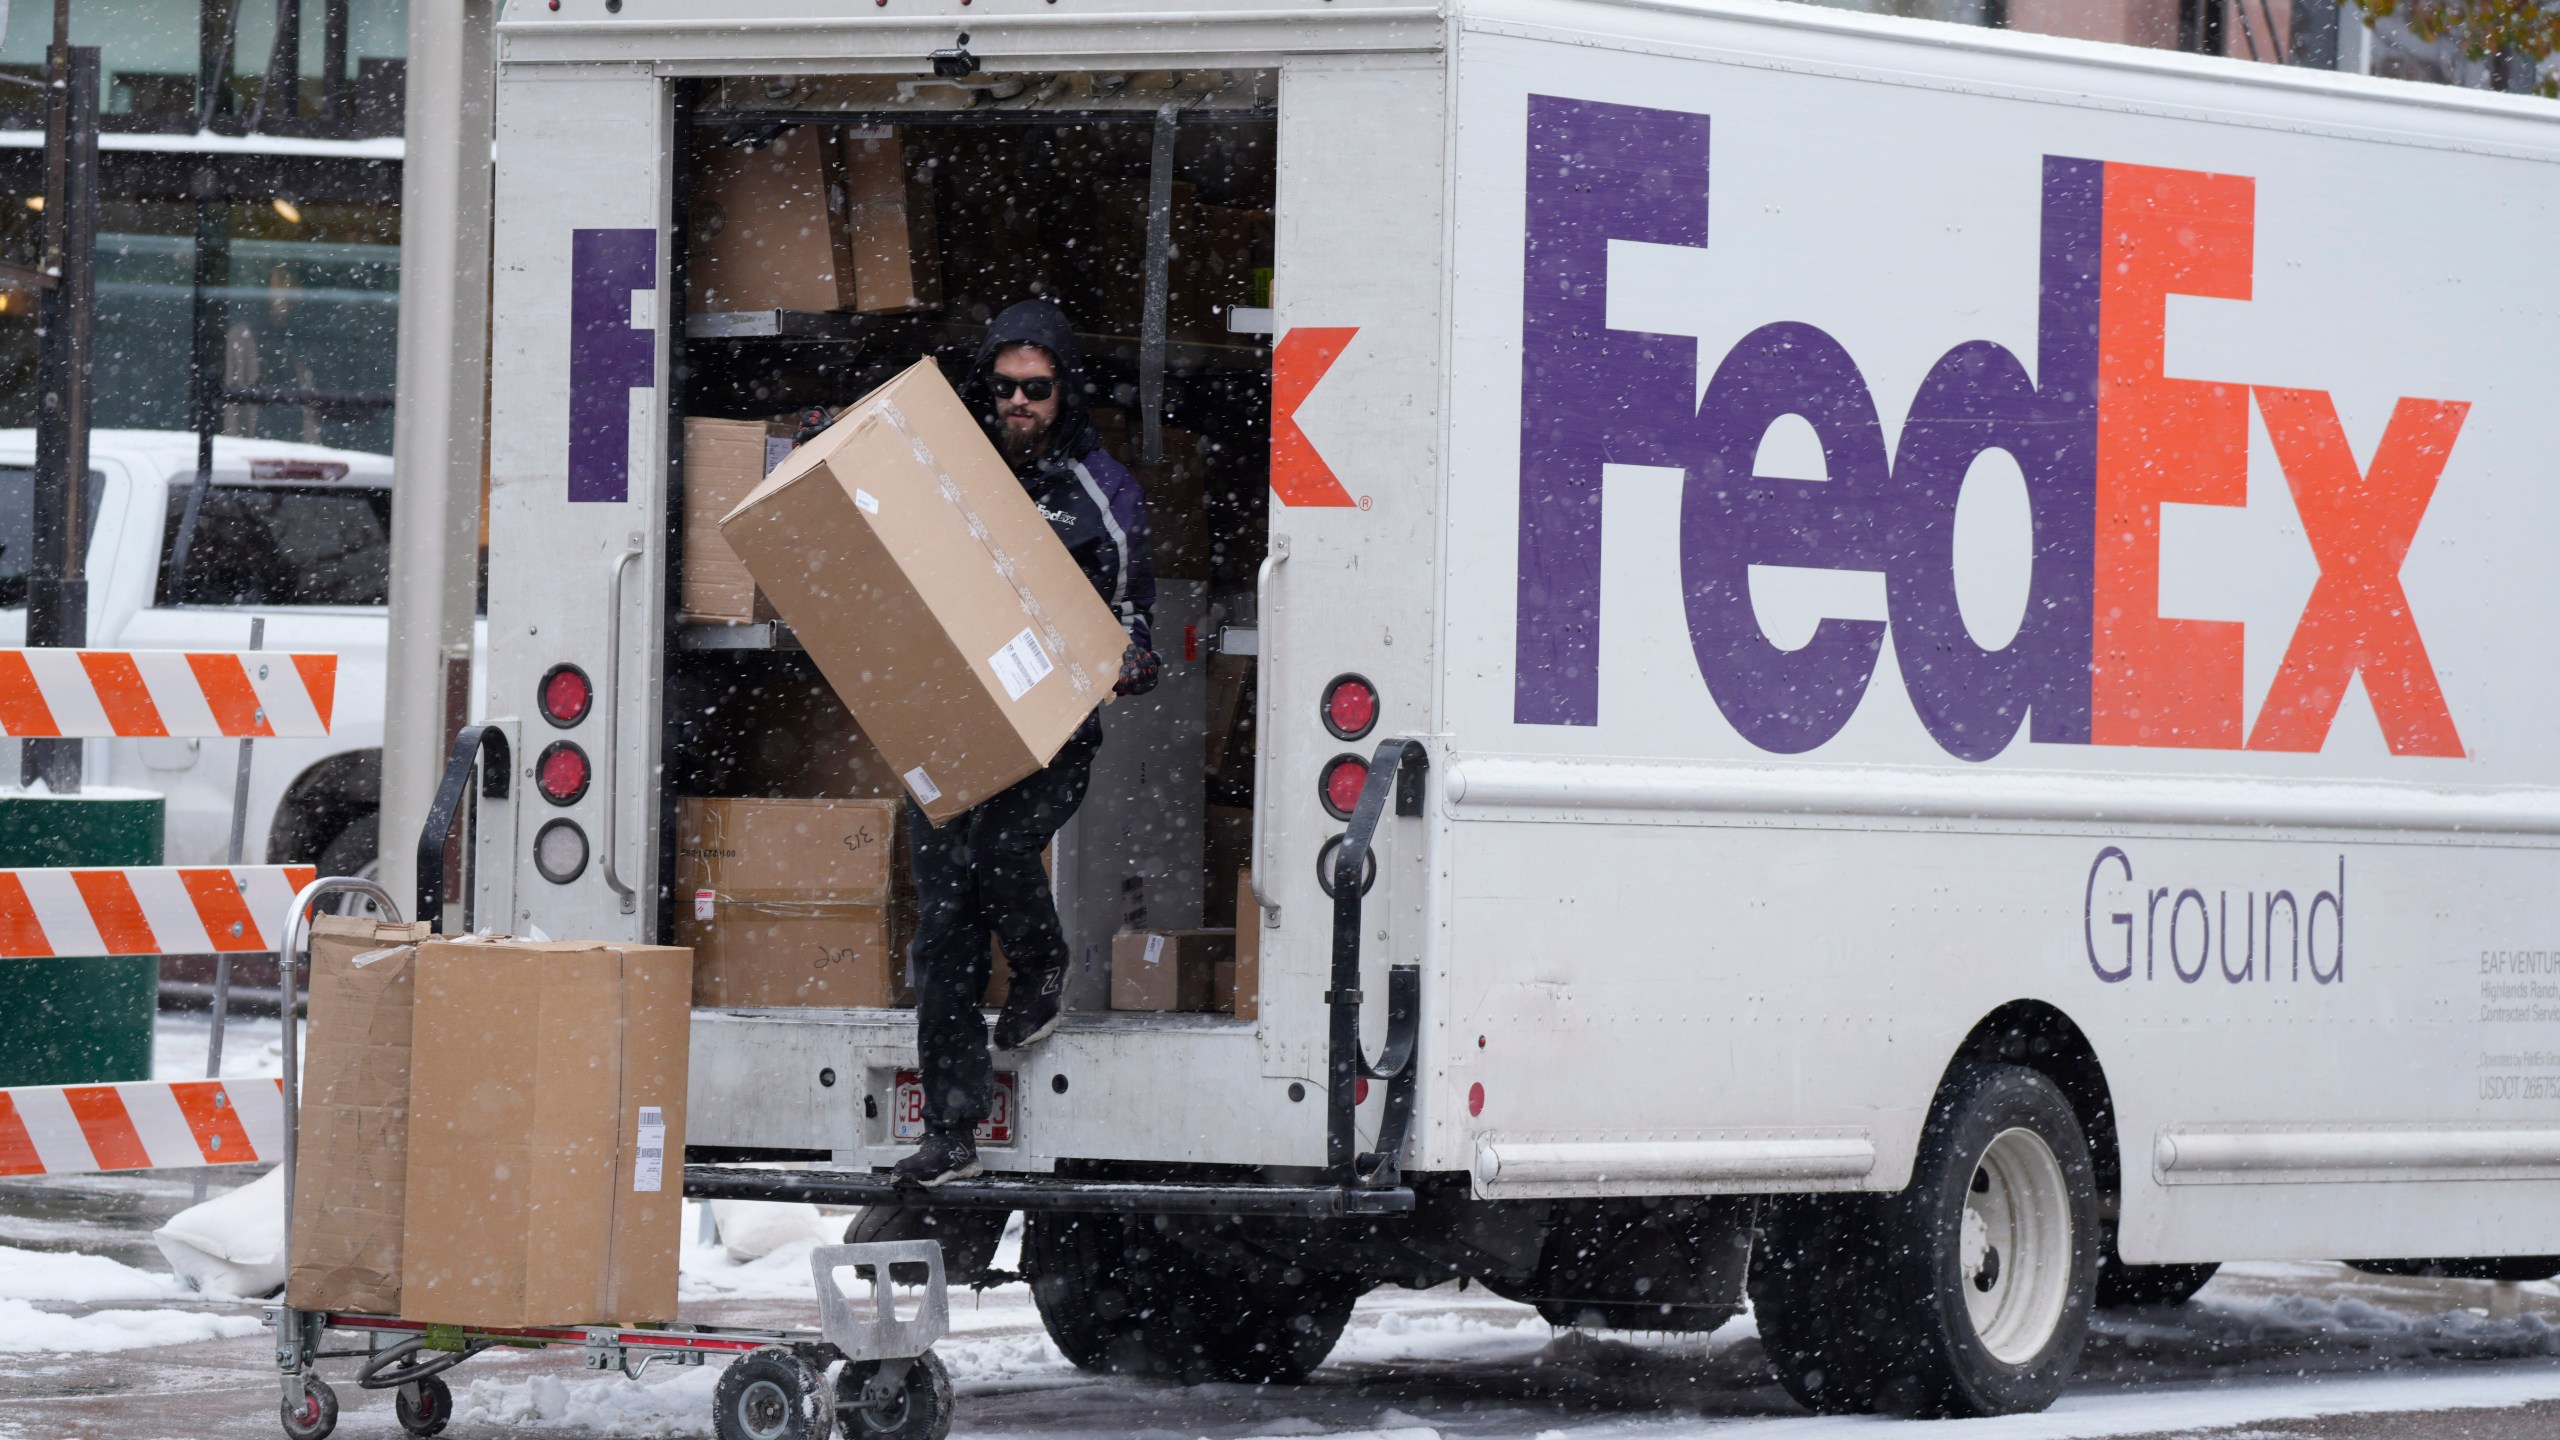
point(298, 535)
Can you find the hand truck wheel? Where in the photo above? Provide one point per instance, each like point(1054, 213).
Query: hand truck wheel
point(919, 1410)
point(424, 1406)
point(772, 1394)
point(314, 1415)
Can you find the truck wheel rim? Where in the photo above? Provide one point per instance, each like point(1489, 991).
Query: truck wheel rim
point(2014, 1252)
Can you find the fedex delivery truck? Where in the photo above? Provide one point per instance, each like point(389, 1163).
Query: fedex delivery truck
point(1903, 668)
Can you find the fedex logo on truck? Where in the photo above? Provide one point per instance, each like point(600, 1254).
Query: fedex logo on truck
point(2100, 434)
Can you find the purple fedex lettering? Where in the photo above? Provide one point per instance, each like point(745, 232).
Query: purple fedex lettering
point(608, 356)
point(1977, 398)
point(1590, 395)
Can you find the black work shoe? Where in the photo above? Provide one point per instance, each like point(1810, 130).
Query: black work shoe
point(1032, 1010)
point(944, 1155)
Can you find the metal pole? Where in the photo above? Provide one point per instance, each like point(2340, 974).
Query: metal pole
point(239, 838)
point(1152, 320)
point(57, 586)
point(205, 378)
point(436, 439)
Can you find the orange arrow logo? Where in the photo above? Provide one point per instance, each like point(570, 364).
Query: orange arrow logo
point(1299, 476)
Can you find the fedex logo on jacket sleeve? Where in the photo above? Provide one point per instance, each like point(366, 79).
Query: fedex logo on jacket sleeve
point(2102, 436)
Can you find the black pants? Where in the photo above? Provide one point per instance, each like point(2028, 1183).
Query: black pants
point(979, 874)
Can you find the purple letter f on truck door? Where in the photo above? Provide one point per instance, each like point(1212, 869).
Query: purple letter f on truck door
point(609, 355)
point(1590, 395)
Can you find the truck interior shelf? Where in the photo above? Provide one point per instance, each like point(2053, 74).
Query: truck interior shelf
point(758, 635)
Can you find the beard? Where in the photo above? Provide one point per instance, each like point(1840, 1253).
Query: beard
point(1021, 442)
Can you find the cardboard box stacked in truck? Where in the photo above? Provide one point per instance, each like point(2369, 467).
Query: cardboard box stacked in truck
point(350, 1182)
point(1174, 970)
point(546, 1132)
point(930, 593)
point(723, 461)
point(817, 218)
point(889, 222)
point(788, 902)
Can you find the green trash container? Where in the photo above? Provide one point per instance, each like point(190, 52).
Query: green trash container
point(78, 1022)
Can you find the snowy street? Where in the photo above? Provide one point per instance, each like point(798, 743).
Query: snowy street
point(97, 1339)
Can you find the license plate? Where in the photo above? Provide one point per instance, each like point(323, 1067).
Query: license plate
point(906, 1109)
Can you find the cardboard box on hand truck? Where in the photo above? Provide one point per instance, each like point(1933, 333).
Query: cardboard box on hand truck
point(351, 1161)
point(930, 592)
point(546, 1132)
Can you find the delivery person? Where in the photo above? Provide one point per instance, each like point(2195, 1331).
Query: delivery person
point(979, 872)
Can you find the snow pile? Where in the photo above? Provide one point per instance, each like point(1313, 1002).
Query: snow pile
point(23, 1327)
point(711, 1272)
point(251, 1045)
point(753, 1229)
point(231, 1246)
point(78, 1279)
point(666, 1401)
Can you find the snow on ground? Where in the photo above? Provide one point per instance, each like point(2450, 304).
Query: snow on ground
point(251, 1045)
point(24, 1328)
point(2263, 1346)
point(79, 1279)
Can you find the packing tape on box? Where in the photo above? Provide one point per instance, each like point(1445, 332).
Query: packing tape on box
point(950, 491)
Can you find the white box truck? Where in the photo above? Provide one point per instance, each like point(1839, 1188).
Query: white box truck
point(1932, 647)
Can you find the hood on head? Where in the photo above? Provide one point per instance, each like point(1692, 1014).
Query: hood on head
point(1037, 322)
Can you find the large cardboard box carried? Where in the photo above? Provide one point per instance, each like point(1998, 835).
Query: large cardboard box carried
point(930, 592)
point(1168, 969)
point(765, 227)
point(546, 1132)
point(788, 902)
point(350, 1180)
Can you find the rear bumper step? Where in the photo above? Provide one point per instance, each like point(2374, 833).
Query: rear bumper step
point(1042, 1192)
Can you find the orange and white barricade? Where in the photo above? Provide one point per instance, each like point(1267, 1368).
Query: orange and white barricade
point(145, 909)
point(182, 694)
point(142, 1125)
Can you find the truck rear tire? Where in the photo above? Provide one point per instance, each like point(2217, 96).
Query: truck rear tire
point(1969, 1293)
point(1118, 1294)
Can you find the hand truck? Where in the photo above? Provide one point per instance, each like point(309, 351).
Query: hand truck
point(892, 1386)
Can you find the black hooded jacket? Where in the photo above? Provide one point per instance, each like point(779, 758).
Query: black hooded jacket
point(1093, 503)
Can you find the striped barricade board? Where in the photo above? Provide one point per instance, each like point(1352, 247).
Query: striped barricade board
point(179, 694)
point(144, 1125)
point(145, 909)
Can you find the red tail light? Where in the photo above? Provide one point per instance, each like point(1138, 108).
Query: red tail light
point(562, 773)
point(566, 695)
point(1350, 707)
point(1344, 777)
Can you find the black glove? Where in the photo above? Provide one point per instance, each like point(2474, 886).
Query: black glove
point(1139, 670)
point(811, 424)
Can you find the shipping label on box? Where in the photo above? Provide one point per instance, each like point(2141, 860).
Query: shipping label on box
point(909, 562)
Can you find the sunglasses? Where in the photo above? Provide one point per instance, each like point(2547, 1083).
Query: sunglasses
point(1035, 390)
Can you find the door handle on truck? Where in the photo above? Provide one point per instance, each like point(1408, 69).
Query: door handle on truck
point(613, 733)
point(1267, 686)
point(1395, 783)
